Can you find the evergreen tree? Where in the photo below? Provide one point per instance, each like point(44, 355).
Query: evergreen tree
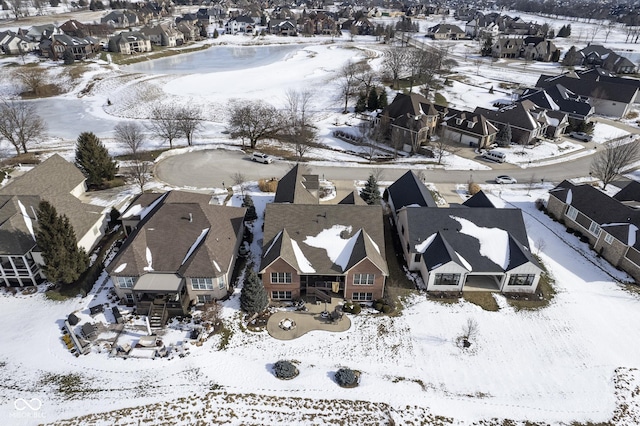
point(372, 100)
point(382, 99)
point(253, 298)
point(68, 57)
point(251, 214)
point(215, 33)
point(565, 31)
point(93, 159)
point(64, 261)
point(487, 46)
point(503, 138)
point(571, 58)
point(361, 105)
point(371, 192)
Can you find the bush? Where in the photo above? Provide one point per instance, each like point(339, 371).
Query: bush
point(473, 188)
point(569, 230)
point(285, 370)
point(268, 185)
point(356, 309)
point(346, 377)
point(540, 204)
point(386, 309)
point(584, 239)
point(378, 306)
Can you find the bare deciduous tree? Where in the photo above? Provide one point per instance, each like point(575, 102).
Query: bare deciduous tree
point(131, 137)
point(239, 179)
point(33, 80)
point(348, 82)
point(164, 123)
point(394, 63)
point(17, 7)
point(254, 120)
point(614, 159)
point(189, 121)
point(469, 331)
point(301, 132)
point(20, 124)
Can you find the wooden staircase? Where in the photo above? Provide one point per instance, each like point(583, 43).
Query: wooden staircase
point(157, 316)
point(319, 294)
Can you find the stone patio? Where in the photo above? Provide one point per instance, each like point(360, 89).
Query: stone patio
point(289, 325)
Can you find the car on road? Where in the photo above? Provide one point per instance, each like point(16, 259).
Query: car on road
point(261, 158)
point(581, 136)
point(505, 179)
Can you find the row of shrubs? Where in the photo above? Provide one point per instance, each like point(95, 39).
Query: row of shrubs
point(379, 305)
point(286, 370)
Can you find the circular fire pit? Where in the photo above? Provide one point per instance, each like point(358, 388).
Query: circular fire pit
point(287, 324)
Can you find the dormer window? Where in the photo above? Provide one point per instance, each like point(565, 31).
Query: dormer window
point(459, 121)
point(470, 125)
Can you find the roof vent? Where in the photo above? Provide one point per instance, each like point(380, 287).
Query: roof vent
point(190, 217)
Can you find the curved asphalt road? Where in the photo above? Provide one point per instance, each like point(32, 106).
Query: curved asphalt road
point(212, 168)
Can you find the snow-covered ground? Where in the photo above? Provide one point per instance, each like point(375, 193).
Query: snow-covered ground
point(575, 360)
point(559, 364)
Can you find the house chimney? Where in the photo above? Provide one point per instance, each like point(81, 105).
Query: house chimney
point(190, 217)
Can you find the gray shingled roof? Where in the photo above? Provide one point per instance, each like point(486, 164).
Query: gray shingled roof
point(15, 235)
point(600, 208)
point(408, 190)
point(479, 199)
point(287, 222)
point(353, 198)
point(184, 234)
point(426, 222)
point(295, 187)
point(53, 180)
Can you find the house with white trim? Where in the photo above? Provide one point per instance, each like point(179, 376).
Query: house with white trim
point(61, 184)
point(609, 224)
point(180, 251)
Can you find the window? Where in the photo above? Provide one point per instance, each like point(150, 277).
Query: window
point(362, 297)
point(124, 282)
point(128, 298)
point(572, 213)
point(521, 279)
point(221, 283)
point(417, 257)
point(204, 298)
point(201, 284)
point(281, 278)
point(280, 295)
point(594, 228)
point(447, 279)
point(608, 238)
point(363, 279)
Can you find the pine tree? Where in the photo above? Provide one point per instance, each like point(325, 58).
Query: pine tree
point(371, 192)
point(571, 58)
point(64, 261)
point(503, 138)
point(67, 57)
point(253, 298)
point(251, 214)
point(487, 46)
point(372, 100)
point(361, 105)
point(93, 159)
point(382, 99)
point(215, 33)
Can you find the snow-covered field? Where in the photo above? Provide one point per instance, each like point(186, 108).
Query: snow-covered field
point(575, 360)
point(571, 361)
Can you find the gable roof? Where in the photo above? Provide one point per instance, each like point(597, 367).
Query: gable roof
point(17, 224)
point(517, 115)
point(615, 217)
point(558, 98)
point(470, 123)
point(629, 193)
point(409, 190)
point(53, 180)
point(413, 104)
point(184, 235)
point(353, 198)
point(589, 87)
point(295, 187)
point(479, 199)
point(323, 239)
point(480, 239)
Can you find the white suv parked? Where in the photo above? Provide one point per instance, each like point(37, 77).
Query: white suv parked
point(261, 158)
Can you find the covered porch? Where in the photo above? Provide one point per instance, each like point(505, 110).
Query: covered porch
point(322, 287)
point(482, 282)
point(160, 297)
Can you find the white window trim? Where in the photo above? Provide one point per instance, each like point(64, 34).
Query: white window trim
point(608, 238)
point(366, 281)
point(572, 213)
point(281, 277)
point(201, 284)
point(596, 228)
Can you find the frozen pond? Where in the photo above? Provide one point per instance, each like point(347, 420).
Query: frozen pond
point(215, 59)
